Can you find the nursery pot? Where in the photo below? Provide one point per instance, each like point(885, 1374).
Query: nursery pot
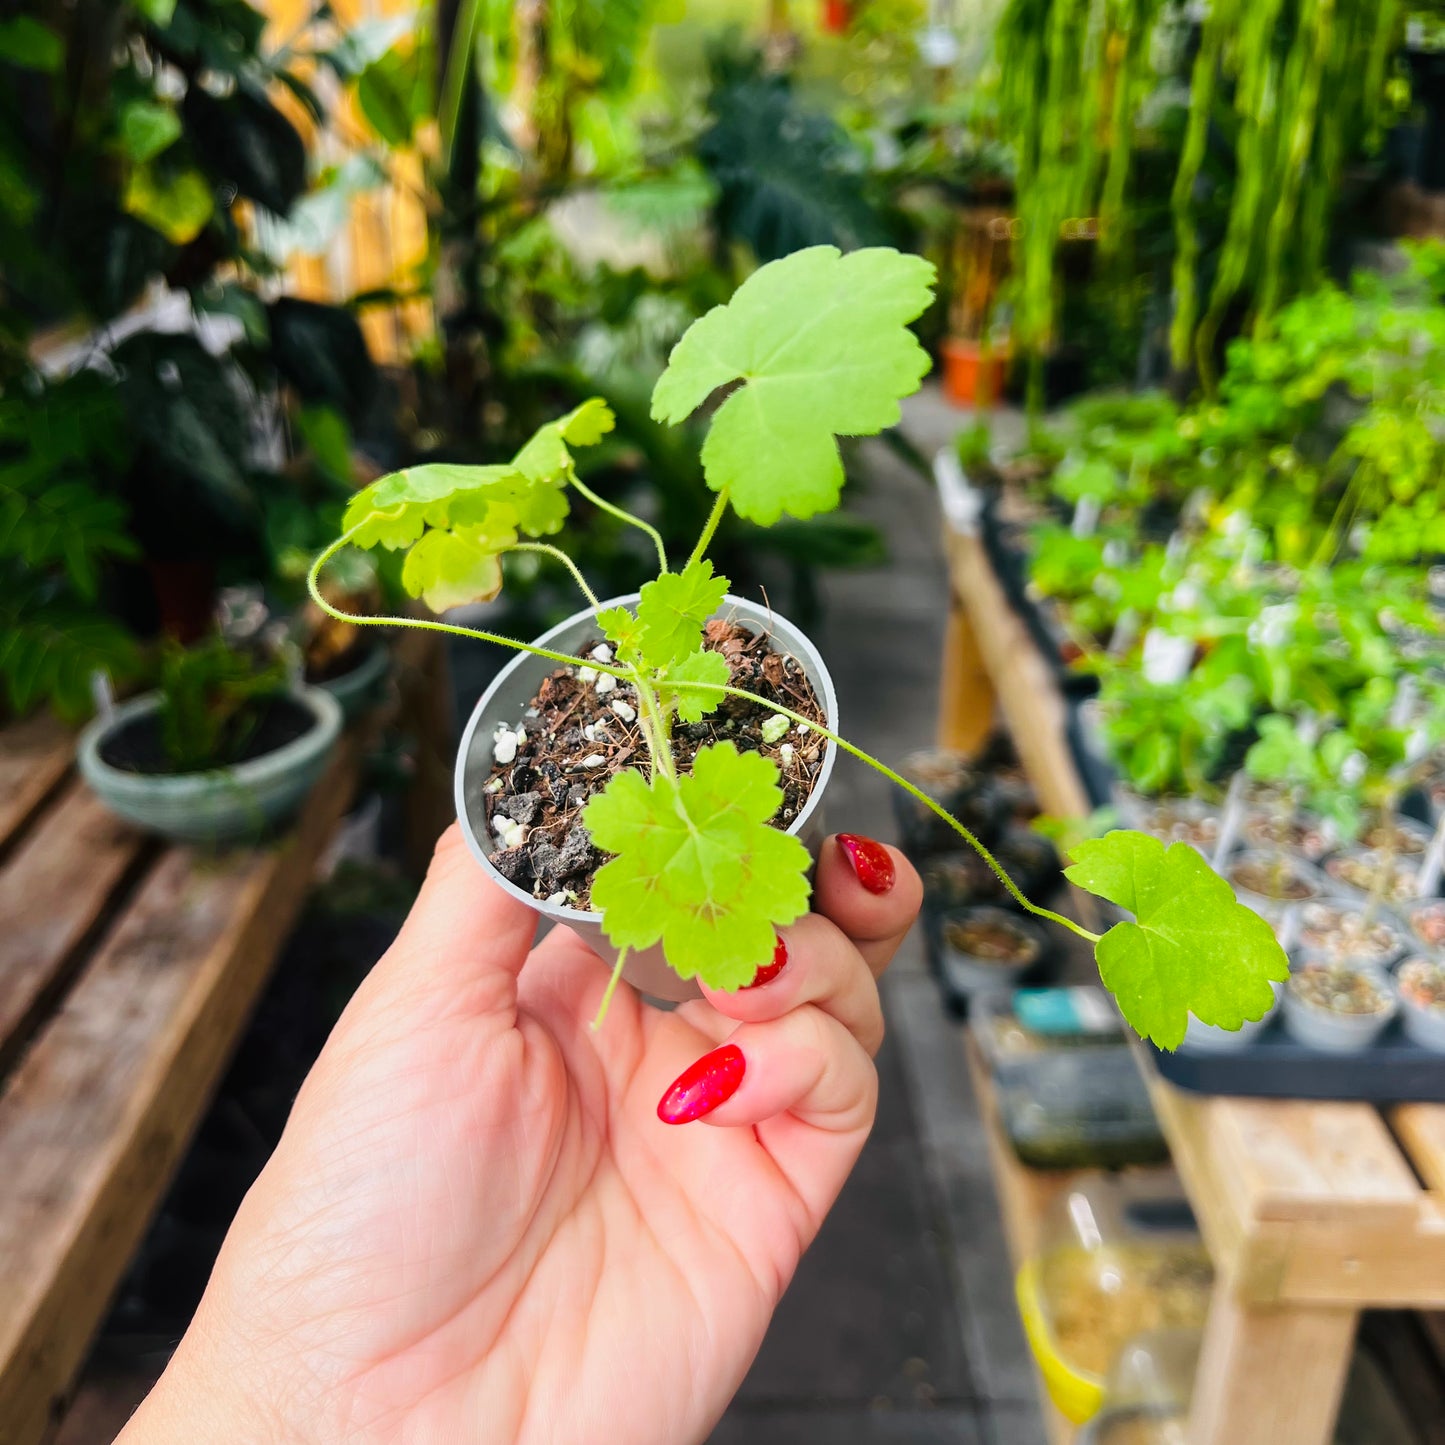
point(219, 805)
point(973, 374)
point(506, 700)
point(968, 973)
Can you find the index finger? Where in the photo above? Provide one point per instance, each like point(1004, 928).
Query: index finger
point(870, 891)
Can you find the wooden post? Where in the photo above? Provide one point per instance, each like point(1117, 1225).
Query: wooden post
point(966, 703)
point(1270, 1374)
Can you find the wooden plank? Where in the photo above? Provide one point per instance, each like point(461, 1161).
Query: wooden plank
point(966, 701)
point(53, 892)
point(1269, 1375)
point(1026, 689)
point(1421, 1129)
point(98, 1114)
point(34, 756)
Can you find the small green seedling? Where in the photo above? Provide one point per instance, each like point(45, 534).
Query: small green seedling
point(811, 348)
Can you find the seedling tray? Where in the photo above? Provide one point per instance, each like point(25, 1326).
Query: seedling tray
point(1393, 1070)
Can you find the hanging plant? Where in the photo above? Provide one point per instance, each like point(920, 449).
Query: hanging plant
point(1073, 73)
point(1280, 82)
point(1302, 102)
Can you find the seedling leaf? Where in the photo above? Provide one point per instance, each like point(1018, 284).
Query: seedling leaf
point(698, 866)
point(1192, 948)
point(821, 344)
point(672, 610)
point(623, 631)
point(694, 703)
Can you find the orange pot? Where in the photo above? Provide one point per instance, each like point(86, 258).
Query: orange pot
point(973, 374)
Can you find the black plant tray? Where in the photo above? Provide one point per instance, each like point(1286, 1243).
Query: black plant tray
point(1393, 1070)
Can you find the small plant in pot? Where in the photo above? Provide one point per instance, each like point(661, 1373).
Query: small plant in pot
point(223, 751)
point(683, 849)
point(1421, 982)
point(1340, 1007)
point(982, 948)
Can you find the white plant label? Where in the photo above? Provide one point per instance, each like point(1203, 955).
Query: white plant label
point(1167, 658)
point(1086, 517)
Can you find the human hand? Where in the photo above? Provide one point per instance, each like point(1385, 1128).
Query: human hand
point(478, 1228)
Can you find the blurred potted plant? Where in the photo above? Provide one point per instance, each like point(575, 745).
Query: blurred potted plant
point(224, 750)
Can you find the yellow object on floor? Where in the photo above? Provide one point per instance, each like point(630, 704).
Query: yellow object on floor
point(1078, 1395)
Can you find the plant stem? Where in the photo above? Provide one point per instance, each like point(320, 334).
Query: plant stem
point(557, 554)
point(917, 793)
point(654, 727)
point(610, 989)
point(623, 515)
point(426, 625)
point(710, 527)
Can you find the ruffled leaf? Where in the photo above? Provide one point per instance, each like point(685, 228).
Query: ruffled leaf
point(698, 866)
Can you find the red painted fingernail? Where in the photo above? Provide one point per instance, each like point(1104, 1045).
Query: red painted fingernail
point(769, 971)
point(871, 861)
point(698, 1090)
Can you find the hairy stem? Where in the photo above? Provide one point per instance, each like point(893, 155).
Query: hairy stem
point(623, 515)
point(655, 731)
point(610, 989)
point(915, 792)
point(558, 555)
point(427, 625)
point(710, 527)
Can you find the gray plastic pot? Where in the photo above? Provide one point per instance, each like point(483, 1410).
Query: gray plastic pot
point(221, 805)
point(507, 699)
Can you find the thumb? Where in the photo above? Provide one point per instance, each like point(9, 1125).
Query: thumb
point(462, 945)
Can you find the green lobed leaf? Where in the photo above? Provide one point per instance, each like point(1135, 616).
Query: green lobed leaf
point(820, 341)
point(693, 703)
point(623, 631)
point(547, 458)
point(672, 610)
point(698, 865)
point(1192, 948)
point(448, 568)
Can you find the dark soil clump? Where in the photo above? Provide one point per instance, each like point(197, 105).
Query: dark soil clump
point(266, 726)
point(575, 738)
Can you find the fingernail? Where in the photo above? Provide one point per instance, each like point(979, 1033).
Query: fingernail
point(872, 862)
point(698, 1090)
point(769, 971)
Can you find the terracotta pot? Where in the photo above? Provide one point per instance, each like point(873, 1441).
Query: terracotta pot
point(973, 374)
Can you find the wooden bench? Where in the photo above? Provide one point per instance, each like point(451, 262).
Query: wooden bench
point(128, 971)
point(1311, 1211)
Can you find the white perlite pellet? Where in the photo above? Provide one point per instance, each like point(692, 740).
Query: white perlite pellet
point(593, 760)
point(625, 711)
point(508, 831)
point(586, 674)
point(504, 745)
point(602, 653)
point(606, 682)
point(558, 897)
